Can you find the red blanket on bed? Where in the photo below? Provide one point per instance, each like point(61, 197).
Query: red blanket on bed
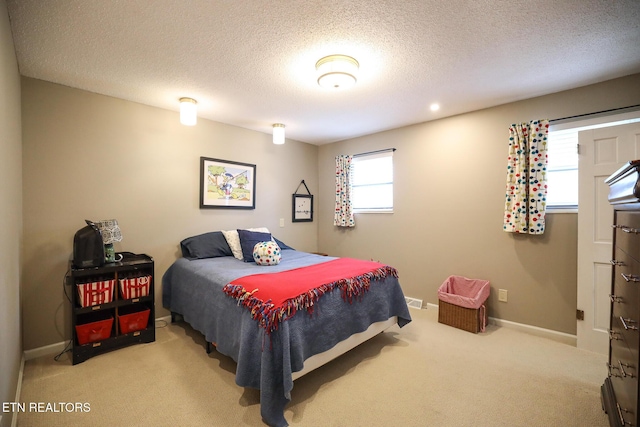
point(275, 297)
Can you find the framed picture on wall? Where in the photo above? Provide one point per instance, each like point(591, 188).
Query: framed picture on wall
point(302, 208)
point(302, 205)
point(227, 184)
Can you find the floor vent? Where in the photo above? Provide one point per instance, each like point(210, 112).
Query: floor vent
point(414, 302)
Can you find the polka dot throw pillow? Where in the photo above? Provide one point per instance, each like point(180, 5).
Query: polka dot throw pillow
point(267, 253)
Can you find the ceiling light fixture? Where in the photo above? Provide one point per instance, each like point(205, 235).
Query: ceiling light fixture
point(188, 111)
point(278, 133)
point(337, 71)
point(434, 107)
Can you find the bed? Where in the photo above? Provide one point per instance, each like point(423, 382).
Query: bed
point(273, 348)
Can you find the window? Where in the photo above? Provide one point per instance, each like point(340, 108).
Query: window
point(562, 169)
point(372, 182)
point(562, 166)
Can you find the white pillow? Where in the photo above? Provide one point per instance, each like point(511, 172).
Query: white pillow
point(234, 240)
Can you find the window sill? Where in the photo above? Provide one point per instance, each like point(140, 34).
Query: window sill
point(383, 211)
point(562, 210)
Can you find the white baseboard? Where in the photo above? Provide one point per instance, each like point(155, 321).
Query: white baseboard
point(14, 416)
point(166, 319)
point(43, 351)
point(562, 337)
point(533, 330)
point(60, 346)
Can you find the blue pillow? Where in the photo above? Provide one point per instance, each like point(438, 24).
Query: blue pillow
point(248, 240)
point(282, 245)
point(207, 245)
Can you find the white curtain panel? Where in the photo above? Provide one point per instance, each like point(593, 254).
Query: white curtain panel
point(343, 216)
point(526, 192)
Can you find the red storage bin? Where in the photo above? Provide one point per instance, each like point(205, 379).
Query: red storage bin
point(135, 287)
point(133, 318)
point(96, 293)
point(96, 330)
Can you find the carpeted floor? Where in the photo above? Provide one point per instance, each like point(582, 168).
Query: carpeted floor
point(425, 374)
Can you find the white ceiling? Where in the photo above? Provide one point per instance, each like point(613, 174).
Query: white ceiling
point(251, 63)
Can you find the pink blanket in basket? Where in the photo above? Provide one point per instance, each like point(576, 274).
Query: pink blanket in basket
point(463, 292)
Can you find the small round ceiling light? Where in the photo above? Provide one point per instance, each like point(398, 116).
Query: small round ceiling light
point(434, 107)
point(337, 71)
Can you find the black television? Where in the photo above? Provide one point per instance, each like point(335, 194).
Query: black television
point(88, 248)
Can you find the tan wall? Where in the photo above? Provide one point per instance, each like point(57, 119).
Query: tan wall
point(449, 178)
point(10, 215)
point(97, 157)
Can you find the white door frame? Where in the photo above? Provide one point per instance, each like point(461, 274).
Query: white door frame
point(590, 333)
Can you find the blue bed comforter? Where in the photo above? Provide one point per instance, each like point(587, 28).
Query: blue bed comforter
point(193, 289)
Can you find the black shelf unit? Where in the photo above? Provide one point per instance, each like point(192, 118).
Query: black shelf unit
point(131, 265)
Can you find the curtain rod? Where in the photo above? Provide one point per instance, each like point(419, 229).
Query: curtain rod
point(374, 152)
point(598, 113)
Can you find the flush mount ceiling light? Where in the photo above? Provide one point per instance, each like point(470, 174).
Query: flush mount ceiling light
point(188, 111)
point(278, 133)
point(337, 71)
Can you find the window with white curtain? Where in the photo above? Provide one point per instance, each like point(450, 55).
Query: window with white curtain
point(372, 182)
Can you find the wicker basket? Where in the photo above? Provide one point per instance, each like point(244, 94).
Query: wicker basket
point(467, 319)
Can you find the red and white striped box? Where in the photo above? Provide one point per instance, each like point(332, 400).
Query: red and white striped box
point(96, 293)
point(135, 287)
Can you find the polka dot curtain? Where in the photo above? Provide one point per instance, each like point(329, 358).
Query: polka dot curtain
point(526, 192)
point(343, 215)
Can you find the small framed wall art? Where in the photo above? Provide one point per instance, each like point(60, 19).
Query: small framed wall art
point(227, 184)
point(302, 205)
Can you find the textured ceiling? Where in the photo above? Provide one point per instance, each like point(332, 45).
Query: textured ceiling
point(251, 63)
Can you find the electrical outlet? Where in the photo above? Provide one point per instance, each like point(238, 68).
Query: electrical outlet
point(502, 295)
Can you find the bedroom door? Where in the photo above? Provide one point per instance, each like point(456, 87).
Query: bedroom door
point(602, 152)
